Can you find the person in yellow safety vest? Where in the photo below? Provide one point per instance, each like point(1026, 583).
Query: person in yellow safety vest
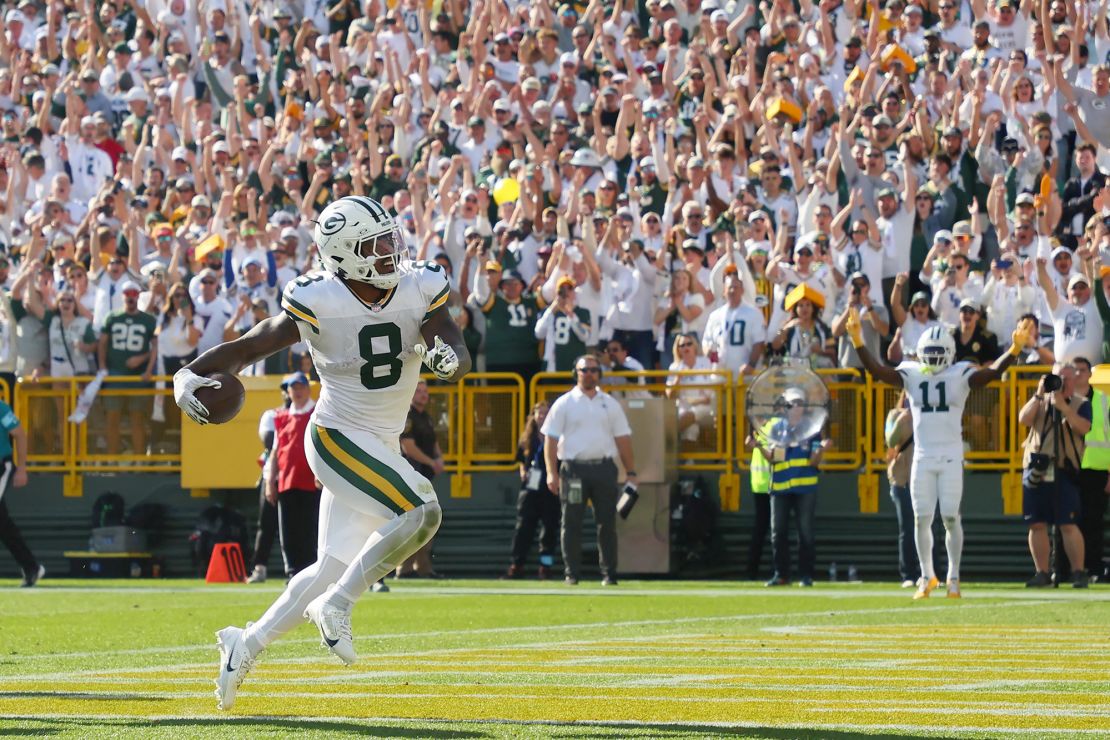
point(1094, 484)
point(793, 488)
point(760, 486)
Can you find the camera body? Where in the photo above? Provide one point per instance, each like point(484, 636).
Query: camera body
point(1037, 469)
point(1052, 382)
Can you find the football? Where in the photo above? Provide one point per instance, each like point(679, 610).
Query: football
point(223, 403)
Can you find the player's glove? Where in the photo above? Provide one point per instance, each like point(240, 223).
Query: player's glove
point(185, 385)
point(441, 359)
point(853, 327)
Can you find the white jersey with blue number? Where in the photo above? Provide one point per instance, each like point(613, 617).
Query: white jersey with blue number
point(937, 402)
point(732, 333)
point(363, 353)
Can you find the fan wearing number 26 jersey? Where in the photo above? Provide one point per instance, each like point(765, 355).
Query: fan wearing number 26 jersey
point(363, 352)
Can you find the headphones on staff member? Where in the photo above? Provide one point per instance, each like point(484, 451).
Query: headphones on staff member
point(574, 370)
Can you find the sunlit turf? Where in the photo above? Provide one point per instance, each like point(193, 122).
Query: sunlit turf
point(462, 659)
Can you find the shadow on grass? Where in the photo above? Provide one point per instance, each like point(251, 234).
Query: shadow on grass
point(94, 726)
point(612, 732)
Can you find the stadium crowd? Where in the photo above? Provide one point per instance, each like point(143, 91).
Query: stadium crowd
point(686, 185)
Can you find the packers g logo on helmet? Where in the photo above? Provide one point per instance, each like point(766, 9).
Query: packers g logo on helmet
point(359, 240)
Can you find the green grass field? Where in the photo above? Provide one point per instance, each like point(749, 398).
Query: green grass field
point(477, 659)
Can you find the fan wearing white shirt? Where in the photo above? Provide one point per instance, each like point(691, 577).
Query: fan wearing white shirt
point(89, 166)
point(1076, 322)
point(911, 324)
point(735, 333)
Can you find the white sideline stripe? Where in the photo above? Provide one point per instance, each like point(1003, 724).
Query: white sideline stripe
point(410, 590)
point(508, 630)
point(1030, 687)
point(1016, 710)
point(238, 719)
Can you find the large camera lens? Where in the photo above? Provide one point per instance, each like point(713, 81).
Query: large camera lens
point(1052, 383)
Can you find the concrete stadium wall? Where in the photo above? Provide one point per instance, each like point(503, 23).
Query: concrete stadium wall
point(476, 532)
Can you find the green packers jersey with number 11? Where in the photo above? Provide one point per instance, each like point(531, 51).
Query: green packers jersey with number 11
point(363, 352)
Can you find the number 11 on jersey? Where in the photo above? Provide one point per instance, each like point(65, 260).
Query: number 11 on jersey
point(942, 401)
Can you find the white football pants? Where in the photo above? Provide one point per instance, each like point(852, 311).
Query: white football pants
point(936, 480)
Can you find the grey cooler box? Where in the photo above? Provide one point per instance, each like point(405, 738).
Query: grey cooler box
point(117, 539)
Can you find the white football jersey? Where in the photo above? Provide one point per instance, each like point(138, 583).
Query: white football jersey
point(732, 333)
point(937, 407)
point(363, 353)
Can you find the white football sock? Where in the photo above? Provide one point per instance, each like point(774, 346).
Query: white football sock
point(923, 538)
point(954, 543)
point(386, 549)
point(288, 611)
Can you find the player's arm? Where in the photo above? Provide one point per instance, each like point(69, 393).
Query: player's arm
point(448, 357)
point(1022, 338)
point(264, 339)
point(878, 371)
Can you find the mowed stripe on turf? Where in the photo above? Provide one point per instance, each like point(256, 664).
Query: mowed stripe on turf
point(814, 695)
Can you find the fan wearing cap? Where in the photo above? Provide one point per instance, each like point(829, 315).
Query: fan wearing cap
point(912, 324)
point(564, 327)
point(288, 480)
point(974, 343)
point(90, 166)
point(1076, 322)
point(511, 315)
point(793, 486)
point(873, 315)
point(735, 333)
point(1007, 296)
point(128, 346)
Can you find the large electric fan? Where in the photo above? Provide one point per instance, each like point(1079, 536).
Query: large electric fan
point(787, 404)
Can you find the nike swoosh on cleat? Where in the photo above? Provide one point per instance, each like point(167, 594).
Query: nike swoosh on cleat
point(229, 668)
point(330, 643)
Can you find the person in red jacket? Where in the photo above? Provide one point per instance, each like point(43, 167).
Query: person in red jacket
point(290, 483)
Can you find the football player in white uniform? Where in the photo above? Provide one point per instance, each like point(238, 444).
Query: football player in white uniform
point(937, 390)
point(370, 319)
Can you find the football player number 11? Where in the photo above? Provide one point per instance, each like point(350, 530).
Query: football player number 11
point(942, 401)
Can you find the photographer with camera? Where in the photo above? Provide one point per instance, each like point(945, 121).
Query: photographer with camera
point(1058, 418)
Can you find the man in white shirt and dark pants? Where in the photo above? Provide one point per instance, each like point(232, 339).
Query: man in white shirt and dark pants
point(590, 430)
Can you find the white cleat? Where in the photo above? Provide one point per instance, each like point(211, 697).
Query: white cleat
point(235, 663)
point(335, 627)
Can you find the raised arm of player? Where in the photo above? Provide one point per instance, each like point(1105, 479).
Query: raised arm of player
point(878, 370)
point(441, 326)
point(264, 339)
point(1022, 338)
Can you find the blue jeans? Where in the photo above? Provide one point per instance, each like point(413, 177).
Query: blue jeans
point(803, 506)
point(909, 568)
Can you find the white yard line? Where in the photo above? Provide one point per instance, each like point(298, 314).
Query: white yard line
point(824, 613)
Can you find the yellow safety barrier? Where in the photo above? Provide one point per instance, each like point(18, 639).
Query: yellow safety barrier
point(479, 421)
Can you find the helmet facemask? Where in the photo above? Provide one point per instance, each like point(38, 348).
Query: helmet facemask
point(378, 260)
point(935, 358)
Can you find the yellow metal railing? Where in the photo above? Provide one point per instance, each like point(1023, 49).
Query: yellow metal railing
point(479, 421)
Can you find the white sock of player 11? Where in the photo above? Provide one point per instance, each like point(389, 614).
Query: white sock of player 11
point(288, 611)
point(923, 538)
point(954, 542)
point(385, 550)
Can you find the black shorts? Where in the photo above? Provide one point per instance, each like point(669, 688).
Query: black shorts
point(1051, 503)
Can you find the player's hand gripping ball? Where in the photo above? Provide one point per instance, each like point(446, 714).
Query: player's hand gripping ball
point(214, 399)
point(441, 359)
